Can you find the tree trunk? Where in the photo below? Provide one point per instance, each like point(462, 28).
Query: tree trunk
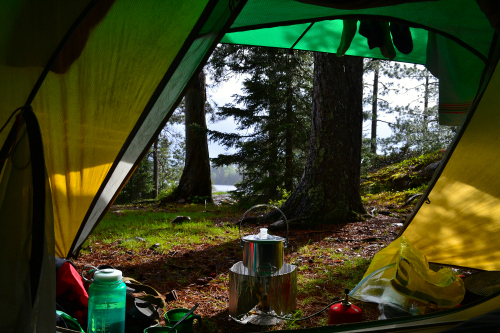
point(373, 145)
point(329, 189)
point(155, 166)
point(195, 183)
point(289, 165)
point(426, 98)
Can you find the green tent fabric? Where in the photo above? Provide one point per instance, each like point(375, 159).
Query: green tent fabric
point(85, 87)
point(440, 41)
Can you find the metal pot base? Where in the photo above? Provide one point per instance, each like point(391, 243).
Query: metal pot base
point(246, 291)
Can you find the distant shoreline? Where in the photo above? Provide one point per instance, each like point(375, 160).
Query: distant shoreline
point(223, 188)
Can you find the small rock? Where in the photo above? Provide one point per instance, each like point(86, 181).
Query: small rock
point(399, 225)
point(155, 246)
point(429, 170)
point(180, 219)
point(140, 239)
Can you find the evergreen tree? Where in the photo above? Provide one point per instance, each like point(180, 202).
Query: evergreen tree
point(195, 180)
point(273, 115)
point(170, 155)
point(329, 190)
point(379, 85)
point(416, 130)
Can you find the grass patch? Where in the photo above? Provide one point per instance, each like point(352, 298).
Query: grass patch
point(137, 230)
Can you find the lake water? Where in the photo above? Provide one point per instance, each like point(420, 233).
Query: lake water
point(224, 188)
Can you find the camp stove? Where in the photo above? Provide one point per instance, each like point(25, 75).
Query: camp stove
point(261, 286)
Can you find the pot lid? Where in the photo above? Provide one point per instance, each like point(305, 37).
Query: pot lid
point(258, 239)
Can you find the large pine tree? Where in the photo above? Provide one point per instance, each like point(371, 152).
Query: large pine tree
point(329, 189)
point(195, 183)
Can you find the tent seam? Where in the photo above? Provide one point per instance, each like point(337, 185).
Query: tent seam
point(166, 78)
point(363, 16)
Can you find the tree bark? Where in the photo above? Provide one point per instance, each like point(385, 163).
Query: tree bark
point(195, 182)
point(426, 98)
point(329, 189)
point(155, 166)
point(289, 165)
point(373, 145)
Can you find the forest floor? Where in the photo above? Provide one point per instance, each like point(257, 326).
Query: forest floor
point(329, 258)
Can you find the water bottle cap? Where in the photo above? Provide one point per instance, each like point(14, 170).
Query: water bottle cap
point(107, 275)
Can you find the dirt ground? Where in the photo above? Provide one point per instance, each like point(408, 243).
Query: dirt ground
point(201, 275)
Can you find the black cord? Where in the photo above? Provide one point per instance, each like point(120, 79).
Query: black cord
point(334, 300)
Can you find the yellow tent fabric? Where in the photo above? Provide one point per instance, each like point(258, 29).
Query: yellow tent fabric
point(97, 80)
point(81, 139)
point(105, 83)
point(460, 225)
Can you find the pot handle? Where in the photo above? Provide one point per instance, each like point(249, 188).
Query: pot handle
point(89, 276)
point(264, 205)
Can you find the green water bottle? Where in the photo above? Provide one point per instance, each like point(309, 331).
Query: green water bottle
point(107, 295)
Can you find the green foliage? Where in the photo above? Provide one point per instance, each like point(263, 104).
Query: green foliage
point(400, 176)
point(415, 128)
point(273, 117)
point(168, 190)
point(198, 199)
point(391, 197)
point(139, 185)
point(284, 197)
point(170, 154)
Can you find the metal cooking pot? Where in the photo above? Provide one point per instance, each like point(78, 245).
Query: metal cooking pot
point(263, 254)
